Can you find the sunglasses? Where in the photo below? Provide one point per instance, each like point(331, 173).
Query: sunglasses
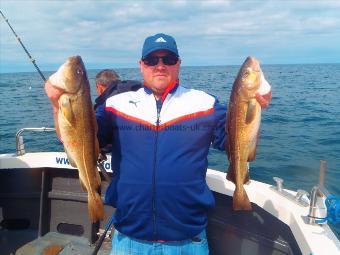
point(168, 60)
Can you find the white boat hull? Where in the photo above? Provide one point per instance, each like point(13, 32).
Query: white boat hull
point(311, 239)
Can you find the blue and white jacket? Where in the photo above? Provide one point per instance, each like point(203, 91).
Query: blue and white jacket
point(159, 161)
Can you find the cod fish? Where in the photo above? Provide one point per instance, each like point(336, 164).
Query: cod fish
point(78, 129)
point(242, 127)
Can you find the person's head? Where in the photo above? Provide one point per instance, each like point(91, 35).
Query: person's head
point(104, 78)
point(160, 62)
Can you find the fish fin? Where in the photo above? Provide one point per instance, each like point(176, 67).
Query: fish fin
point(240, 200)
point(252, 154)
point(96, 143)
point(231, 174)
point(227, 144)
point(251, 111)
point(83, 186)
point(252, 149)
point(66, 111)
point(96, 148)
point(99, 179)
point(70, 159)
point(95, 207)
point(246, 177)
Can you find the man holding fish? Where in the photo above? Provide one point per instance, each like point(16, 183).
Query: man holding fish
point(159, 160)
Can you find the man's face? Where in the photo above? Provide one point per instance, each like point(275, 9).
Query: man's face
point(158, 77)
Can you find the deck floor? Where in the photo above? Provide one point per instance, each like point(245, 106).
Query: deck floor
point(70, 245)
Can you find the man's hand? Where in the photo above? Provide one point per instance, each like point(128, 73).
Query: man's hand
point(102, 156)
point(53, 94)
point(264, 94)
point(264, 100)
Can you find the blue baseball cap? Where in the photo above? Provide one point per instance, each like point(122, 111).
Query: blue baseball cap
point(159, 42)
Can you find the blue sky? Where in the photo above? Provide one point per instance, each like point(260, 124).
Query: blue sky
point(111, 33)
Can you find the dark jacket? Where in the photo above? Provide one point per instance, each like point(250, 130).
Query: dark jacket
point(115, 88)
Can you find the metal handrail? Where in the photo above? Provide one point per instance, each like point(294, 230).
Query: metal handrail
point(317, 207)
point(19, 141)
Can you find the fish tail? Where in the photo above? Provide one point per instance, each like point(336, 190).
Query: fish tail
point(95, 207)
point(241, 200)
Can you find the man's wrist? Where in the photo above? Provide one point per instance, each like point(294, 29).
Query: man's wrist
point(264, 100)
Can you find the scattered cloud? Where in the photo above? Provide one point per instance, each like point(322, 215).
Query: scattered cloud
point(111, 33)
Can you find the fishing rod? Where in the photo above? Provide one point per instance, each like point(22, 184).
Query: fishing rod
point(99, 162)
point(23, 46)
point(102, 238)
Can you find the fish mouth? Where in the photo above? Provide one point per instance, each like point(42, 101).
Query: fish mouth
point(253, 62)
point(74, 60)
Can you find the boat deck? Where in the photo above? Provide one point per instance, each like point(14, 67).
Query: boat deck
point(48, 202)
point(68, 245)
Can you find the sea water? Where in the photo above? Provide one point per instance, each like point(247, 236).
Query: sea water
point(300, 127)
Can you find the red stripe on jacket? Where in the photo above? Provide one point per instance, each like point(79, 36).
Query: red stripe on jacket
point(164, 125)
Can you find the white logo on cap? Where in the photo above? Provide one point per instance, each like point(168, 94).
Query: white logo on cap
point(160, 39)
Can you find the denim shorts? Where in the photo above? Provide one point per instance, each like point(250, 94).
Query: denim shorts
point(124, 245)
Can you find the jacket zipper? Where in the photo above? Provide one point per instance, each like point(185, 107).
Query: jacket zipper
point(158, 106)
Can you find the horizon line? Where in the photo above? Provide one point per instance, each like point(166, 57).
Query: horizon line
point(233, 65)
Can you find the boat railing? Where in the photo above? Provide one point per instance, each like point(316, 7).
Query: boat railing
point(19, 140)
point(323, 206)
point(300, 198)
point(319, 194)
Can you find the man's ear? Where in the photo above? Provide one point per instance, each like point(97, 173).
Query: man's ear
point(100, 88)
point(141, 66)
